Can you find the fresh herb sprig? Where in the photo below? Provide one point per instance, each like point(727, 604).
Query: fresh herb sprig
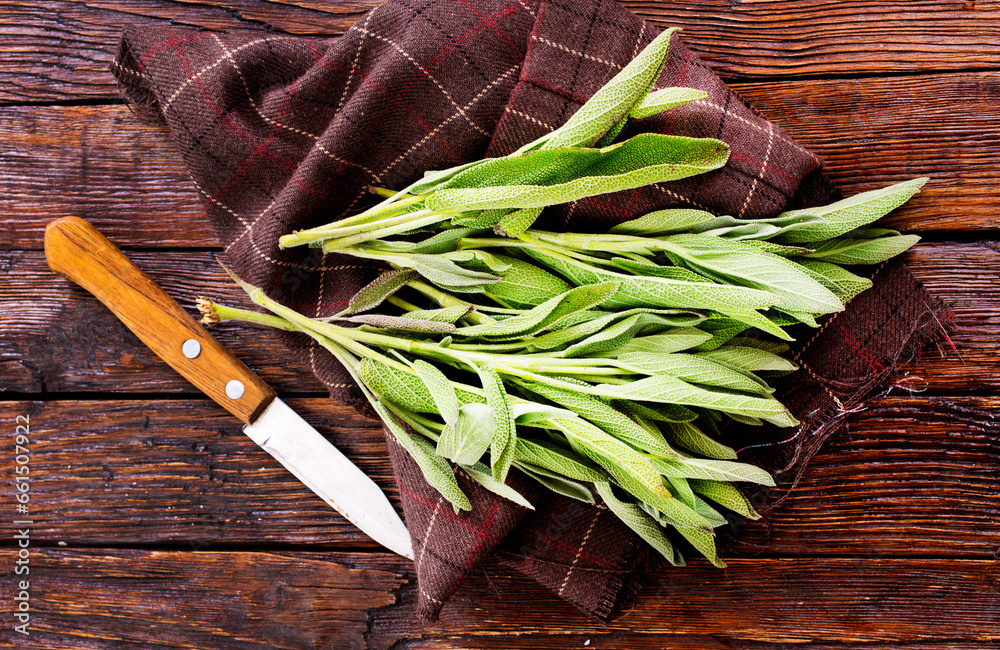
point(627, 426)
point(594, 364)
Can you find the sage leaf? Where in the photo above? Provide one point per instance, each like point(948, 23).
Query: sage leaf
point(715, 470)
point(545, 314)
point(373, 293)
point(480, 257)
point(861, 251)
point(401, 323)
point(481, 474)
point(406, 389)
point(442, 242)
point(524, 285)
point(672, 340)
point(603, 415)
point(443, 271)
point(657, 412)
point(671, 390)
point(558, 484)
point(703, 542)
point(730, 261)
point(748, 359)
point(441, 389)
point(436, 470)
point(548, 456)
point(694, 369)
point(850, 213)
point(658, 496)
point(844, 284)
point(542, 178)
point(647, 292)
point(743, 229)
point(466, 439)
point(664, 222)
point(442, 315)
point(726, 495)
point(640, 522)
point(614, 455)
point(663, 100)
point(615, 99)
point(516, 222)
point(504, 440)
point(692, 438)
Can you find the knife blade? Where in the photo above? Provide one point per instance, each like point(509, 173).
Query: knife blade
point(79, 252)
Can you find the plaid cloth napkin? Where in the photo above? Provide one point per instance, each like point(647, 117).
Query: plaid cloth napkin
point(282, 133)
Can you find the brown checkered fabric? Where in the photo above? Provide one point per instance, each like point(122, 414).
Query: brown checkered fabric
point(282, 133)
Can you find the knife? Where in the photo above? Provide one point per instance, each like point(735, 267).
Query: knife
point(78, 251)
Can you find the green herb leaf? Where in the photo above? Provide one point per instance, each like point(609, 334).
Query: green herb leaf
point(465, 440)
point(441, 389)
point(850, 213)
point(481, 474)
point(690, 437)
point(615, 99)
point(672, 340)
point(671, 390)
point(664, 222)
point(558, 484)
point(524, 285)
point(373, 293)
point(550, 177)
point(436, 470)
point(641, 523)
point(603, 415)
point(861, 251)
point(504, 440)
point(714, 470)
point(663, 100)
point(545, 314)
point(551, 457)
point(726, 495)
point(730, 261)
point(844, 284)
point(442, 315)
point(748, 359)
point(694, 369)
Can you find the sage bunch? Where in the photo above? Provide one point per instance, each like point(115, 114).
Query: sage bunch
point(599, 366)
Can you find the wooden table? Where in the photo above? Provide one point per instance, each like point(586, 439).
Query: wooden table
point(158, 524)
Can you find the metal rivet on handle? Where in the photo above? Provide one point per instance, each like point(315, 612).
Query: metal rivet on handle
point(234, 389)
point(191, 348)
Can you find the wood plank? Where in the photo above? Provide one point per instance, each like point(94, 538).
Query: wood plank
point(95, 598)
point(167, 599)
point(779, 601)
point(57, 338)
point(122, 171)
point(70, 43)
point(873, 132)
point(180, 472)
point(61, 50)
point(117, 169)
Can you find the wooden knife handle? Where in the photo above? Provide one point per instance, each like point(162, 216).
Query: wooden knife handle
point(78, 251)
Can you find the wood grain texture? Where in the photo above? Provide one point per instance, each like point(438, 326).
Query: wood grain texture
point(870, 132)
point(181, 473)
point(79, 252)
point(71, 43)
point(99, 598)
point(59, 339)
point(61, 50)
point(96, 599)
